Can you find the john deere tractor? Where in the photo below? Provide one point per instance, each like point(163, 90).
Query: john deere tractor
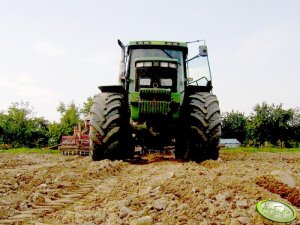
point(163, 98)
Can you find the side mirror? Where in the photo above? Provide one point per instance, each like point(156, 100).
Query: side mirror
point(189, 79)
point(203, 50)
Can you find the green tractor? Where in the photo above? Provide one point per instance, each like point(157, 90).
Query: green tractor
point(163, 99)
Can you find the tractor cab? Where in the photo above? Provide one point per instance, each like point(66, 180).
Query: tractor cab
point(155, 64)
point(161, 64)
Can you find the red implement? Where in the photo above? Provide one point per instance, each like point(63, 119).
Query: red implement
point(78, 144)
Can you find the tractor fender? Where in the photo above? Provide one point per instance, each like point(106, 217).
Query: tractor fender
point(114, 89)
point(191, 89)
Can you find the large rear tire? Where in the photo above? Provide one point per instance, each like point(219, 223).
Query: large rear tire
point(110, 130)
point(199, 128)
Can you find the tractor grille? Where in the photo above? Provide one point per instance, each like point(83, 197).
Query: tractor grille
point(160, 94)
point(154, 107)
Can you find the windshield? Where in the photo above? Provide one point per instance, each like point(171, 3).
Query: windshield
point(198, 70)
point(165, 53)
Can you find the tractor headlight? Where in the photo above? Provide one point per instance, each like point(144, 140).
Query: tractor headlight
point(140, 64)
point(164, 64)
point(166, 82)
point(145, 81)
point(173, 65)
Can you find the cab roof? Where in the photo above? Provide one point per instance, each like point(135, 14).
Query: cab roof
point(157, 43)
point(148, 59)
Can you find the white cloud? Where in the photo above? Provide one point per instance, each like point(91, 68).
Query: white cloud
point(262, 67)
point(17, 87)
point(23, 85)
point(48, 48)
point(107, 62)
point(104, 57)
point(96, 58)
point(269, 44)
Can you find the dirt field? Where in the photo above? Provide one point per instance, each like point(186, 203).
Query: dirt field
point(54, 189)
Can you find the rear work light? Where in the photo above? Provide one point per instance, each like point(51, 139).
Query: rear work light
point(147, 64)
point(164, 64)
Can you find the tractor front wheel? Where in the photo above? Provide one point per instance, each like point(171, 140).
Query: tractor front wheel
point(110, 131)
point(199, 128)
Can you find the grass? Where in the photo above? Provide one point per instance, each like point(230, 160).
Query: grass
point(30, 150)
point(255, 150)
point(231, 150)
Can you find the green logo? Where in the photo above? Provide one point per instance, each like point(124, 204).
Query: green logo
point(276, 211)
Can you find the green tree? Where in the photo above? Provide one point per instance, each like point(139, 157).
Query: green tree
point(281, 125)
point(260, 124)
point(295, 128)
point(55, 133)
point(2, 127)
point(37, 132)
point(70, 117)
point(234, 125)
point(21, 129)
point(85, 110)
point(15, 123)
point(270, 123)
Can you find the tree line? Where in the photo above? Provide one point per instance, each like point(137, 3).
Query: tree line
point(267, 124)
point(19, 127)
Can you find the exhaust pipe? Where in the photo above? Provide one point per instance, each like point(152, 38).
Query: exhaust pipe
point(122, 77)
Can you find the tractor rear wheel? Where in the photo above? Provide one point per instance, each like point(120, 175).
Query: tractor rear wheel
point(110, 130)
point(199, 129)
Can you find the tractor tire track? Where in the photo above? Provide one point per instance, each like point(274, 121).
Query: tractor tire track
point(44, 188)
point(51, 206)
point(153, 190)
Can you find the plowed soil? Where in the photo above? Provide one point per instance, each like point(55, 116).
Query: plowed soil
point(55, 189)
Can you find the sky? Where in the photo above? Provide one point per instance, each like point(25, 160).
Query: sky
point(54, 51)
